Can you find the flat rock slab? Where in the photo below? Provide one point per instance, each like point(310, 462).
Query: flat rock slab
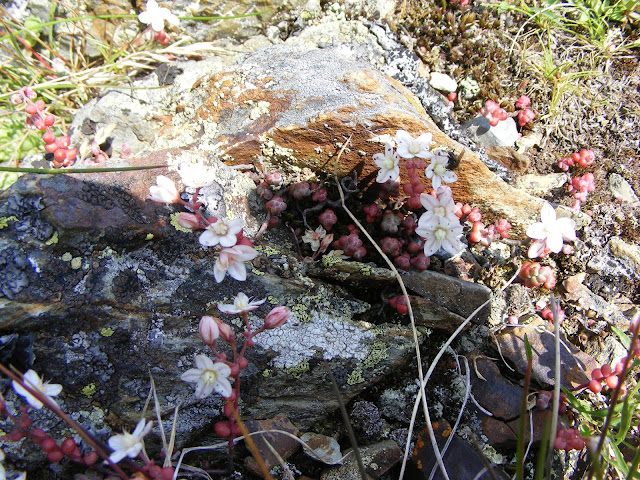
point(377, 460)
point(458, 296)
point(574, 363)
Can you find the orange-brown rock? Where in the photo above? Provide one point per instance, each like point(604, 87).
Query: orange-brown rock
point(292, 108)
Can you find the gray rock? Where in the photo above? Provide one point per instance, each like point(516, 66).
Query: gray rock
point(504, 134)
point(540, 185)
point(377, 460)
point(621, 190)
point(456, 295)
point(442, 82)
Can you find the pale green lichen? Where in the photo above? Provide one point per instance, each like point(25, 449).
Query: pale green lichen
point(366, 270)
point(302, 312)
point(298, 370)
point(267, 372)
point(329, 260)
point(377, 353)
point(176, 225)
point(355, 376)
point(66, 257)
point(89, 390)
point(106, 332)
point(273, 300)
point(149, 236)
point(53, 240)
point(4, 221)
point(76, 263)
point(267, 250)
point(255, 271)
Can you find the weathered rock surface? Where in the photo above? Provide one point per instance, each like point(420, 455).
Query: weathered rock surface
point(292, 107)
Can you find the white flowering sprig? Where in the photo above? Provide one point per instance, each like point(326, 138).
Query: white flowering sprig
point(222, 374)
point(227, 234)
point(129, 444)
point(409, 147)
point(549, 234)
point(438, 171)
point(34, 381)
point(389, 164)
point(155, 16)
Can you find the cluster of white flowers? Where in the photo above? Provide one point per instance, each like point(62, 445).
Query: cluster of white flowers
point(222, 232)
point(438, 226)
point(209, 376)
point(156, 16)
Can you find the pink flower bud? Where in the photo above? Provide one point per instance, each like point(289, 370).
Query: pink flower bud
point(188, 220)
point(226, 332)
point(523, 102)
point(209, 331)
point(276, 317)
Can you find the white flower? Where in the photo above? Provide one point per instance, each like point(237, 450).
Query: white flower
point(221, 232)
point(156, 16)
point(437, 170)
point(550, 232)
point(129, 444)
point(409, 147)
point(440, 232)
point(241, 304)
point(388, 164)
point(196, 175)
point(3, 475)
point(209, 376)
point(314, 238)
point(32, 379)
point(231, 260)
point(165, 191)
point(440, 206)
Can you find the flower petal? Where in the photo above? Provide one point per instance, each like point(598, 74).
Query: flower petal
point(547, 214)
point(537, 231)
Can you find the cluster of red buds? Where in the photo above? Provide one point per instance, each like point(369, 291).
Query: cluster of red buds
point(545, 399)
point(493, 112)
point(399, 303)
point(525, 115)
point(611, 375)
point(583, 158)
point(351, 245)
point(37, 117)
point(568, 439)
point(533, 274)
point(547, 314)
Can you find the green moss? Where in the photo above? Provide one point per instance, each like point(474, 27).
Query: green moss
point(4, 221)
point(298, 370)
point(355, 377)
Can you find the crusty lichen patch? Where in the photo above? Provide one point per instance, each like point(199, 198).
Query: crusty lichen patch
point(297, 341)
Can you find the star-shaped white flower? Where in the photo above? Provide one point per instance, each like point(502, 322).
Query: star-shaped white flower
point(437, 171)
point(165, 191)
point(241, 303)
point(441, 205)
point(440, 232)
point(129, 444)
point(196, 175)
point(409, 147)
point(388, 162)
point(209, 376)
point(156, 16)
point(32, 379)
point(221, 232)
point(314, 238)
point(550, 232)
point(232, 260)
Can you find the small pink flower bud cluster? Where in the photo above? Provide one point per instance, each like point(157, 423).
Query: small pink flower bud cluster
point(525, 115)
point(351, 245)
point(568, 439)
point(547, 314)
point(391, 221)
point(583, 158)
point(545, 400)
point(485, 235)
point(493, 112)
point(611, 375)
point(580, 187)
point(328, 219)
point(36, 116)
point(533, 274)
point(399, 303)
point(414, 187)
